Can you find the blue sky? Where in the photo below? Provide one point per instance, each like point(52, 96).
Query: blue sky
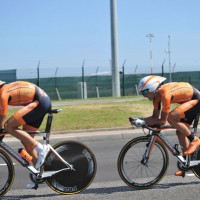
point(63, 33)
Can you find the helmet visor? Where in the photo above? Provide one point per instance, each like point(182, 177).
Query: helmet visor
point(144, 92)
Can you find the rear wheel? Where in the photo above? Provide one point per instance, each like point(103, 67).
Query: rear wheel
point(72, 181)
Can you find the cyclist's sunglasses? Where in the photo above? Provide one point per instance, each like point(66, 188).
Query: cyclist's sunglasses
point(145, 92)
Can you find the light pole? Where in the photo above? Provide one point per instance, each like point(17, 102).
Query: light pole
point(38, 74)
point(97, 88)
point(168, 51)
point(123, 79)
point(114, 50)
point(150, 35)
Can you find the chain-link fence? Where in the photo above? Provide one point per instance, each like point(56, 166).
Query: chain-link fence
point(95, 85)
point(101, 86)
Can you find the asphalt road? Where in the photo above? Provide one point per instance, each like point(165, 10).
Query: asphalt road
point(107, 185)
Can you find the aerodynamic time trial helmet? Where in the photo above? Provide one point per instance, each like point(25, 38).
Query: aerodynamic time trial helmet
point(2, 83)
point(150, 84)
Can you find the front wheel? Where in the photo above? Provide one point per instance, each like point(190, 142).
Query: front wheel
point(7, 173)
point(138, 171)
point(196, 168)
point(72, 181)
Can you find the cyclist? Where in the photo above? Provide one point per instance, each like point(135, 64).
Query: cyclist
point(36, 104)
point(181, 117)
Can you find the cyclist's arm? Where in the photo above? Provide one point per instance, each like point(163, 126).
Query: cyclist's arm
point(2, 121)
point(156, 118)
point(3, 109)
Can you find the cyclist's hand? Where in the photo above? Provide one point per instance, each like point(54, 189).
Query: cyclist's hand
point(137, 122)
point(132, 120)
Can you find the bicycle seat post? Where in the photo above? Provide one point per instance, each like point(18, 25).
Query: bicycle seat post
point(49, 123)
point(48, 127)
point(195, 124)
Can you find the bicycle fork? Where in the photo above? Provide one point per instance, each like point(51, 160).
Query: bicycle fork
point(158, 137)
point(148, 150)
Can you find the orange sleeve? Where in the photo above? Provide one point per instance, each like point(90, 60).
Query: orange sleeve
point(166, 103)
point(166, 100)
point(156, 104)
point(3, 104)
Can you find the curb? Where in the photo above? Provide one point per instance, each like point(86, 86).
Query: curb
point(86, 133)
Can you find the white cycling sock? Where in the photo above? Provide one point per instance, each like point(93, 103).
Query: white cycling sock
point(39, 147)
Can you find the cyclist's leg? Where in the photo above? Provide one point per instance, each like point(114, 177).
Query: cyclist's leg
point(11, 126)
point(182, 132)
point(34, 119)
point(32, 184)
point(20, 119)
point(32, 115)
point(32, 125)
point(33, 153)
point(176, 118)
point(183, 140)
point(30, 150)
point(190, 115)
point(181, 118)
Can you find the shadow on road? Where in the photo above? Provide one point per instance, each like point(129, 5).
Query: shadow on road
point(19, 197)
point(104, 190)
point(110, 190)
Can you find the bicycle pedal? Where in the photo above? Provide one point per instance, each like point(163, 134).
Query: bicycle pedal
point(36, 186)
point(183, 175)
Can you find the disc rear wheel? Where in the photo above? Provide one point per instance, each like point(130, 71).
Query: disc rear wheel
point(71, 181)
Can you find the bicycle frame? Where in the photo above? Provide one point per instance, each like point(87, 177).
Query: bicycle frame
point(24, 163)
point(157, 135)
point(69, 166)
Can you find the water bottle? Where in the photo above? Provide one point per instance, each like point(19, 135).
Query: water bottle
point(25, 155)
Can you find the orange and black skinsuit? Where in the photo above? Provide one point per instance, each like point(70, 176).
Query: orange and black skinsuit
point(34, 100)
point(182, 93)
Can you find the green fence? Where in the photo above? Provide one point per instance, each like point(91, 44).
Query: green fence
point(8, 75)
point(95, 86)
point(101, 86)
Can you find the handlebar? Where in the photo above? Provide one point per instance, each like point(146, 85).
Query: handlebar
point(155, 128)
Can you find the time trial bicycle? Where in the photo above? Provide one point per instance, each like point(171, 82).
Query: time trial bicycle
point(69, 166)
point(144, 160)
